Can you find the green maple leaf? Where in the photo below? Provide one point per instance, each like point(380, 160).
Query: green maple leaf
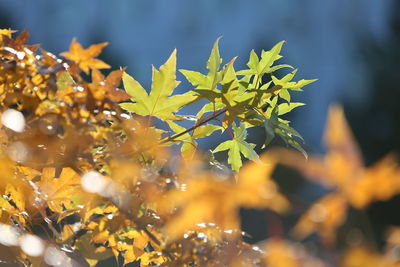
point(286, 84)
point(287, 107)
point(238, 146)
point(207, 86)
point(63, 80)
point(276, 126)
point(159, 103)
point(210, 80)
point(260, 66)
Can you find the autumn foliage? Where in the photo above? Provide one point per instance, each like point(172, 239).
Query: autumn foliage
point(95, 167)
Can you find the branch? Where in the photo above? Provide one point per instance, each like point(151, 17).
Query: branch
point(216, 114)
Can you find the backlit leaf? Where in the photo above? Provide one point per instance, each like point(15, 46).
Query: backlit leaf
point(236, 147)
point(6, 32)
point(159, 102)
point(85, 58)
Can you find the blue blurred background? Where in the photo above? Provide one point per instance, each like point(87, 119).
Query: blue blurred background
point(350, 46)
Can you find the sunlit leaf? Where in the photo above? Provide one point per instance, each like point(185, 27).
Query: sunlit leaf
point(6, 32)
point(159, 102)
point(236, 147)
point(85, 58)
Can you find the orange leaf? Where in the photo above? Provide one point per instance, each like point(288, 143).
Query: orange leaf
point(102, 87)
point(342, 167)
point(85, 58)
point(280, 253)
point(324, 217)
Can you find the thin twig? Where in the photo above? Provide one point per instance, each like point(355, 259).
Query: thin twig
point(216, 114)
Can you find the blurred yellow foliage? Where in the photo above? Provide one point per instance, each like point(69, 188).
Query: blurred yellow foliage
point(342, 170)
point(84, 180)
point(207, 200)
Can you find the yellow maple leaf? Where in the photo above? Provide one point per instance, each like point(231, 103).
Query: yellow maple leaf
point(345, 170)
point(208, 200)
point(256, 189)
point(67, 232)
point(279, 253)
point(204, 201)
point(13, 202)
point(151, 258)
point(140, 239)
point(132, 253)
point(342, 169)
point(6, 32)
point(323, 217)
point(60, 191)
point(14, 199)
point(101, 237)
point(85, 58)
point(377, 183)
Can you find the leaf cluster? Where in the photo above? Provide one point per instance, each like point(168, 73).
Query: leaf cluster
point(87, 173)
point(243, 97)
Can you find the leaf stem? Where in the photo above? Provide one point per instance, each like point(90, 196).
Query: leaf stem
point(149, 119)
point(227, 129)
point(257, 79)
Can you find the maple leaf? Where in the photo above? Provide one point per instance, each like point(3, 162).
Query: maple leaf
point(60, 192)
point(342, 170)
point(264, 65)
point(208, 200)
point(159, 102)
point(213, 77)
point(6, 32)
point(323, 217)
point(205, 200)
point(13, 202)
point(286, 84)
point(132, 253)
point(85, 58)
point(255, 187)
point(236, 147)
point(102, 87)
point(275, 126)
point(207, 87)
